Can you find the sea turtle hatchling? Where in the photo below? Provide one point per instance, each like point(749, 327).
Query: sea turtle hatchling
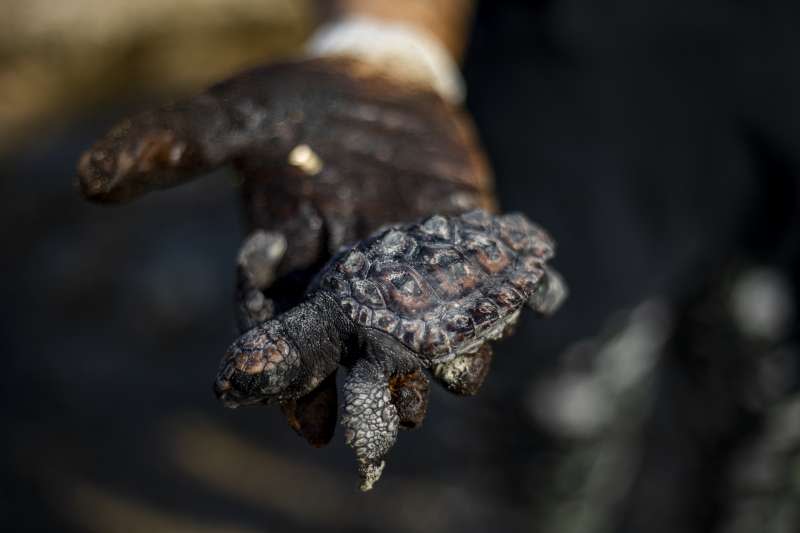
point(425, 295)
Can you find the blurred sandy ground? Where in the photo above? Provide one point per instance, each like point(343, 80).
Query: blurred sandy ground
point(59, 57)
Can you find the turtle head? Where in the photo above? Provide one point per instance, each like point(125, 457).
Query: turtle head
point(259, 367)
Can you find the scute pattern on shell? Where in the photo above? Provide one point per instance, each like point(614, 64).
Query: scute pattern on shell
point(442, 286)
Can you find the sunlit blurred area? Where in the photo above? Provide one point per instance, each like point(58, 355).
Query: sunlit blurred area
point(60, 59)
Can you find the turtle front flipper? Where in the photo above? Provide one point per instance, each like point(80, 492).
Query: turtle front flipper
point(465, 373)
point(313, 416)
point(256, 270)
point(370, 419)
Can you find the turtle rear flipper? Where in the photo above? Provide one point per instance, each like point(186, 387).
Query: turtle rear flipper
point(549, 296)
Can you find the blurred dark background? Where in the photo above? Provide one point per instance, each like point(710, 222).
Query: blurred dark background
point(658, 141)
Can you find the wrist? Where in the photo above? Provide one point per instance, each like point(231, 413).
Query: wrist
point(398, 49)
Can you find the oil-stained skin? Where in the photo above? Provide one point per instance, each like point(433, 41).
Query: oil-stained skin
point(375, 152)
point(389, 153)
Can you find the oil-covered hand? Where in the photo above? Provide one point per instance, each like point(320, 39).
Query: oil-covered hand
point(328, 151)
